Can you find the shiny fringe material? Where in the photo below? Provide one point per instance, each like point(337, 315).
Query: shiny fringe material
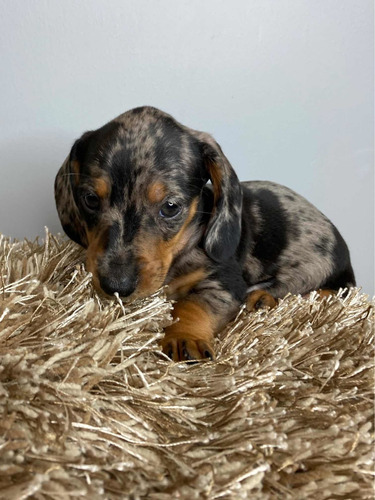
point(90, 407)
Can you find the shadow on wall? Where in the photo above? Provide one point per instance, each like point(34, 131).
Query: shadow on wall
point(27, 193)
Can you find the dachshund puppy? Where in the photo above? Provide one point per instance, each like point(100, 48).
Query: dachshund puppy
point(136, 194)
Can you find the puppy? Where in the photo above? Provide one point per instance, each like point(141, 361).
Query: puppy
point(136, 194)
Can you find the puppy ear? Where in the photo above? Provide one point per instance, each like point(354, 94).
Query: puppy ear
point(66, 183)
point(223, 232)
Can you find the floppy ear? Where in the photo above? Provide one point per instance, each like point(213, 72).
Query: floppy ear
point(223, 232)
point(66, 181)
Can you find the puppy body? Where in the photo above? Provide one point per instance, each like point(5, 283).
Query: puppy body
point(135, 193)
point(291, 246)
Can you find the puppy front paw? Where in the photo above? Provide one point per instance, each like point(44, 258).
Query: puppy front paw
point(191, 336)
point(187, 349)
point(259, 299)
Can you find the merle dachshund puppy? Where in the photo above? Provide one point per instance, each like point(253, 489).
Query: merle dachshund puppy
point(136, 194)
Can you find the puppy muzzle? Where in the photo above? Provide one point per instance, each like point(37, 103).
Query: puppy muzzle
point(118, 277)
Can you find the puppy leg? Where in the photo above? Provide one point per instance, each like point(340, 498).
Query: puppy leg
point(259, 299)
point(326, 293)
point(322, 293)
point(191, 336)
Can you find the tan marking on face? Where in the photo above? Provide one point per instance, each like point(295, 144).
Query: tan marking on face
point(156, 192)
point(155, 256)
point(181, 286)
point(102, 187)
point(96, 247)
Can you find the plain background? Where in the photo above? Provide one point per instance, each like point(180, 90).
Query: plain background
point(285, 86)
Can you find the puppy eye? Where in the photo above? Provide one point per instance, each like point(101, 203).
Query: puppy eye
point(91, 201)
point(170, 210)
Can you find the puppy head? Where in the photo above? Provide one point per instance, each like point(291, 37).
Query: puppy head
point(131, 193)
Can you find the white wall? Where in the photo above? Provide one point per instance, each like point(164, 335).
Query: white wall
point(286, 87)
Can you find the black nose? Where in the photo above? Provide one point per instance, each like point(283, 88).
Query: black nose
point(123, 285)
point(118, 277)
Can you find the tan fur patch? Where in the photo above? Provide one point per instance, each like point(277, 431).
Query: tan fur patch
point(156, 192)
point(96, 247)
point(194, 322)
point(326, 293)
point(102, 187)
point(259, 299)
point(322, 293)
point(216, 178)
point(155, 255)
point(180, 286)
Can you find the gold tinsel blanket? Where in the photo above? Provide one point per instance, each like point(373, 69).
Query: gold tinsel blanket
point(90, 407)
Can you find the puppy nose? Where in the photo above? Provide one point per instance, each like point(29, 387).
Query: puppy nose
point(119, 276)
point(123, 285)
